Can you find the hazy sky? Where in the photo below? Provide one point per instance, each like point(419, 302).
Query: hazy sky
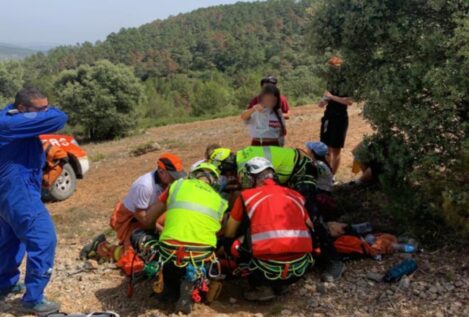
point(72, 21)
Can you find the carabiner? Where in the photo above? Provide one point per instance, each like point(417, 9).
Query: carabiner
point(218, 268)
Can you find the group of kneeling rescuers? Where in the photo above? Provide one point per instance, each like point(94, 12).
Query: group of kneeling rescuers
point(264, 213)
point(259, 213)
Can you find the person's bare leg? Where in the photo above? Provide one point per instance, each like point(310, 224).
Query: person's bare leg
point(329, 155)
point(334, 159)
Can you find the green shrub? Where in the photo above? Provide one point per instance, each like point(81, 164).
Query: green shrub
point(209, 98)
point(408, 60)
point(103, 99)
point(11, 81)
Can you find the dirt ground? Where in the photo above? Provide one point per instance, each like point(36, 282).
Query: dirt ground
point(439, 288)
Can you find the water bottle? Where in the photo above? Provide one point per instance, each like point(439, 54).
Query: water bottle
point(404, 247)
point(395, 273)
point(370, 238)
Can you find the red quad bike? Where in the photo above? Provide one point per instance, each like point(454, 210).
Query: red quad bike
point(65, 162)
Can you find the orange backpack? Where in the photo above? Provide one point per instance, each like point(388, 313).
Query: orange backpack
point(52, 171)
point(353, 245)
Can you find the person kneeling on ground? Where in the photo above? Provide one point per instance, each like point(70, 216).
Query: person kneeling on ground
point(325, 179)
point(133, 212)
point(277, 245)
point(194, 210)
point(296, 170)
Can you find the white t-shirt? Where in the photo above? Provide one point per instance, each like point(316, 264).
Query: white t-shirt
point(265, 125)
point(143, 193)
point(325, 177)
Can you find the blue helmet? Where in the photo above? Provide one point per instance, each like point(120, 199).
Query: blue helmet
point(319, 148)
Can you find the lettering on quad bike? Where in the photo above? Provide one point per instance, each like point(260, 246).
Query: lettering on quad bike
point(57, 142)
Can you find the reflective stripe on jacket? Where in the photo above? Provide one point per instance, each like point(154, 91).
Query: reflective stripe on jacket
point(278, 220)
point(194, 213)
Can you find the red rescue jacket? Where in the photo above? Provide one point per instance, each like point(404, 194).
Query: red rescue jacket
point(278, 220)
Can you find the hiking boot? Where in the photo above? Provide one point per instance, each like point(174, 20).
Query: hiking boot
point(260, 294)
point(43, 308)
point(18, 288)
point(333, 271)
point(89, 250)
point(184, 303)
point(214, 291)
point(280, 290)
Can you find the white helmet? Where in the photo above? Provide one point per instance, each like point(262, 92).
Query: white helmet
point(195, 165)
point(257, 165)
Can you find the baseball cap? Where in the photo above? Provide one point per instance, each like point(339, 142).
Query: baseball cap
point(318, 148)
point(269, 80)
point(172, 164)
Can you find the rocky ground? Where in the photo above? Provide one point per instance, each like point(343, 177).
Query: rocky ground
point(440, 287)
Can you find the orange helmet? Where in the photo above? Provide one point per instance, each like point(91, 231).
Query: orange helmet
point(172, 164)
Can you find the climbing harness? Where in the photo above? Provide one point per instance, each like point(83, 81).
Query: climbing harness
point(182, 255)
point(277, 270)
point(146, 247)
point(200, 263)
point(201, 266)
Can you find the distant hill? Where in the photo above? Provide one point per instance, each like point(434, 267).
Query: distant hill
point(206, 62)
point(11, 52)
point(226, 38)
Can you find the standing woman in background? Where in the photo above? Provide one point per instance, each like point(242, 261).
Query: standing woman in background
point(265, 120)
point(271, 80)
point(334, 124)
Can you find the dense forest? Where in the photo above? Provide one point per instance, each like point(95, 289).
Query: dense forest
point(11, 52)
point(204, 63)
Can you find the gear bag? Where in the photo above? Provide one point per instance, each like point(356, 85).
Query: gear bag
point(353, 245)
point(130, 262)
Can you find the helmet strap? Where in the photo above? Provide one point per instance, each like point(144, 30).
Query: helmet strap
point(202, 173)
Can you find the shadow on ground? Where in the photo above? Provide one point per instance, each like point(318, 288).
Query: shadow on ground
point(145, 303)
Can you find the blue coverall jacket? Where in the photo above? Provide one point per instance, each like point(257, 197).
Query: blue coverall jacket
point(25, 224)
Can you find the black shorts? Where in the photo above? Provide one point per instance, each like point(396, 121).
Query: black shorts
point(333, 130)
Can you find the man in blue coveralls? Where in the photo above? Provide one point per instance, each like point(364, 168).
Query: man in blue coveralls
point(25, 224)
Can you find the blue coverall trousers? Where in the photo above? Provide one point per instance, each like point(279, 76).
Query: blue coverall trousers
point(26, 226)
